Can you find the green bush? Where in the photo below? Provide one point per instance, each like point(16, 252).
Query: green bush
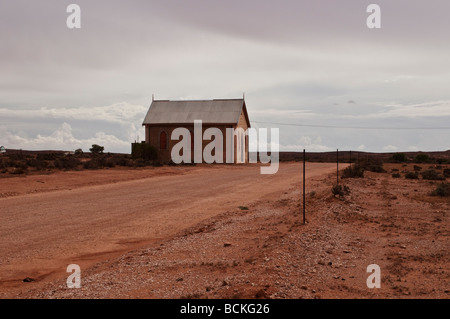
point(399, 157)
point(96, 149)
point(442, 190)
point(422, 158)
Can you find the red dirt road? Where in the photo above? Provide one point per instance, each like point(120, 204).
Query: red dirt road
point(50, 221)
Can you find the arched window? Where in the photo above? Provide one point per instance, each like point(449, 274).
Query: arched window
point(163, 140)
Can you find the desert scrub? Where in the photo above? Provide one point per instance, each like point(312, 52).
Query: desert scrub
point(396, 175)
point(423, 158)
point(446, 172)
point(431, 174)
point(339, 190)
point(417, 168)
point(372, 165)
point(412, 175)
point(353, 171)
point(399, 157)
point(442, 190)
point(67, 163)
point(18, 171)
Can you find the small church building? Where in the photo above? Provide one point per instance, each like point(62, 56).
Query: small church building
point(164, 116)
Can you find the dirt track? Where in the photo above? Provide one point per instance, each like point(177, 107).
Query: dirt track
point(207, 236)
point(50, 221)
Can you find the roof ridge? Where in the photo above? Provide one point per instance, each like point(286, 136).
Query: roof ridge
point(184, 111)
point(209, 100)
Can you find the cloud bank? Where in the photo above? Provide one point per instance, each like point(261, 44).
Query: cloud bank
point(314, 64)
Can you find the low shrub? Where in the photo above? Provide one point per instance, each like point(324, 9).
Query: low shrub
point(3, 164)
point(139, 163)
point(48, 156)
point(339, 190)
point(353, 171)
point(431, 174)
point(121, 160)
point(446, 172)
point(417, 168)
point(396, 175)
point(111, 163)
point(143, 151)
point(68, 162)
point(442, 190)
point(372, 165)
point(16, 156)
point(172, 163)
point(37, 164)
point(91, 164)
point(376, 168)
point(157, 164)
point(422, 158)
point(412, 175)
point(18, 171)
point(399, 157)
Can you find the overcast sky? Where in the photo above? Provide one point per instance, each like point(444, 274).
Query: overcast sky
point(314, 65)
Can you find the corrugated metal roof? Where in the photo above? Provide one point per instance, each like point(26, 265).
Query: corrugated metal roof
point(185, 112)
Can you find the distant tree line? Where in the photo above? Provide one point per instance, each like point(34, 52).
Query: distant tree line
point(18, 163)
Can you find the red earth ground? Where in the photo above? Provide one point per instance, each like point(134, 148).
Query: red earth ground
point(222, 232)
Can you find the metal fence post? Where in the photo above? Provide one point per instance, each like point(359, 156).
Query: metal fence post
point(304, 194)
point(337, 166)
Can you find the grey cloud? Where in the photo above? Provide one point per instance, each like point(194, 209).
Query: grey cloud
point(295, 60)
